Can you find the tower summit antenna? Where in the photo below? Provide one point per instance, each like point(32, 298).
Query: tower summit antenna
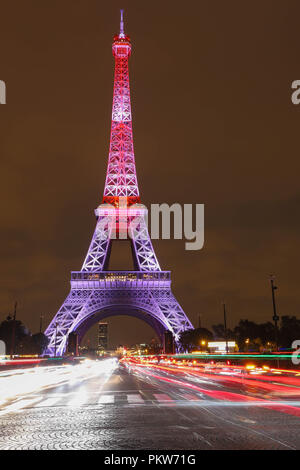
point(122, 24)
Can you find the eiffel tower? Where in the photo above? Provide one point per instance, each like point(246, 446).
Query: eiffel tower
point(96, 292)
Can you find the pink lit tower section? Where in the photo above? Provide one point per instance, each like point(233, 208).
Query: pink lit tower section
point(121, 177)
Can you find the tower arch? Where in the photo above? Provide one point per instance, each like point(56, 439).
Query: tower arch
point(115, 311)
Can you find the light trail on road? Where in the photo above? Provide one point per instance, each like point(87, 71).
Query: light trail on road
point(16, 384)
point(238, 376)
point(134, 405)
point(183, 376)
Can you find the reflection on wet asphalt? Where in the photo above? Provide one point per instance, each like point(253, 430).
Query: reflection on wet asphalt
point(106, 405)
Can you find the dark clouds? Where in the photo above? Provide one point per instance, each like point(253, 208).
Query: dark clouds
point(213, 124)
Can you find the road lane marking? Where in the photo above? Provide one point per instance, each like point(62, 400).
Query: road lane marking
point(198, 437)
point(191, 397)
point(80, 399)
point(163, 398)
point(48, 402)
point(135, 399)
point(19, 405)
point(106, 399)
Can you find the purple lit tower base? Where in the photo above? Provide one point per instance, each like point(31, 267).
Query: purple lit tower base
point(93, 297)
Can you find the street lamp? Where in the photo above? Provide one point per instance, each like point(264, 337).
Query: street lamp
point(225, 326)
point(13, 333)
point(56, 324)
point(41, 322)
point(275, 316)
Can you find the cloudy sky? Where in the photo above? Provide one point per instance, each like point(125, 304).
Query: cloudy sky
point(213, 123)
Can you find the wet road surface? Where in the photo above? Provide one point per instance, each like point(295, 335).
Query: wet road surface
point(111, 406)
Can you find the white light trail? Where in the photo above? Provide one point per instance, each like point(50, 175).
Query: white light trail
point(16, 384)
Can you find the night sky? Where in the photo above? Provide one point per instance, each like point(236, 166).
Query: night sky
point(213, 123)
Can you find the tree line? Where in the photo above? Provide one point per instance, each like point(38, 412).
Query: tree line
point(248, 335)
point(19, 340)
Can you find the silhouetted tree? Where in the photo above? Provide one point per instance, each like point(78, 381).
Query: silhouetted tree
point(254, 336)
point(6, 331)
point(39, 342)
point(289, 331)
point(155, 347)
point(191, 339)
point(266, 332)
point(24, 346)
point(219, 332)
point(25, 343)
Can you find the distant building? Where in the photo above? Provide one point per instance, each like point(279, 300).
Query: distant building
point(169, 346)
point(102, 336)
point(72, 347)
point(215, 347)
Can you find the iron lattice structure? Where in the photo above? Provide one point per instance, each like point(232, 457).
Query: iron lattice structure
point(96, 292)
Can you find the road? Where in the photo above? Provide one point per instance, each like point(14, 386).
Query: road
point(114, 406)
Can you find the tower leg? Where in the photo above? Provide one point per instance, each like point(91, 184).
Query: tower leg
point(63, 322)
point(145, 256)
point(98, 252)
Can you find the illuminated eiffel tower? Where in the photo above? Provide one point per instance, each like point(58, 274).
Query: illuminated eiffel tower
point(96, 292)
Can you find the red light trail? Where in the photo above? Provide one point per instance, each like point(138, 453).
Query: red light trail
point(222, 395)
